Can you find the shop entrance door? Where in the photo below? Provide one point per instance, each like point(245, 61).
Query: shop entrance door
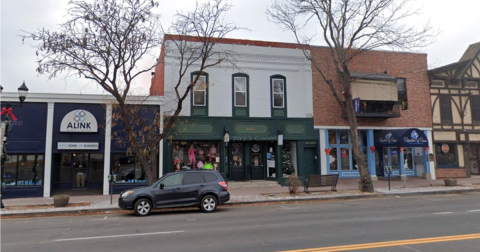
point(237, 166)
point(474, 159)
point(257, 159)
point(79, 170)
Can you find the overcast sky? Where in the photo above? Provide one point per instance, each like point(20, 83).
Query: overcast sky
point(458, 21)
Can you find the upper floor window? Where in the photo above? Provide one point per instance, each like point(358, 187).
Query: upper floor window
point(446, 109)
point(240, 94)
point(199, 105)
point(475, 107)
point(437, 83)
point(278, 95)
point(200, 91)
point(240, 91)
point(402, 92)
point(471, 84)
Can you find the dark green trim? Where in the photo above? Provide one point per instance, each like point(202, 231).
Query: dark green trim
point(199, 110)
point(279, 112)
point(241, 111)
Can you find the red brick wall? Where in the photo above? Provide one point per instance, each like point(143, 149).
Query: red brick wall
point(157, 85)
point(412, 67)
point(451, 173)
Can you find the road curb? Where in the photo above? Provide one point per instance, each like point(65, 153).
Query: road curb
point(109, 210)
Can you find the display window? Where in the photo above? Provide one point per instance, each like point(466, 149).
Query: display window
point(127, 169)
point(196, 155)
point(23, 170)
point(289, 158)
point(445, 155)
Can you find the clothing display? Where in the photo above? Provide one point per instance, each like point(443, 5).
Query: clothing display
point(204, 155)
point(80, 179)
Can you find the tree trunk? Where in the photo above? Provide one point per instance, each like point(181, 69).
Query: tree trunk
point(365, 179)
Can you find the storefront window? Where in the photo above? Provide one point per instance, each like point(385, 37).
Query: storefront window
point(333, 159)
point(23, 170)
point(193, 154)
point(271, 159)
point(340, 151)
point(128, 169)
point(445, 155)
point(345, 158)
point(289, 158)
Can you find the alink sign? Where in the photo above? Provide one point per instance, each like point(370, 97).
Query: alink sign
point(80, 121)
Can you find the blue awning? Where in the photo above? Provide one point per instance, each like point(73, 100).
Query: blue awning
point(401, 138)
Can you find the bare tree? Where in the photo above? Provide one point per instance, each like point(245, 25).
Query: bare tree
point(349, 28)
point(105, 40)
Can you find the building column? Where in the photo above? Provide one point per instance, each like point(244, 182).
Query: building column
point(47, 177)
point(323, 156)
point(429, 164)
point(107, 150)
point(371, 155)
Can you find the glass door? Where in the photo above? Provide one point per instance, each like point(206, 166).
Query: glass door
point(237, 166)
point(80, 170)
point(256, 157)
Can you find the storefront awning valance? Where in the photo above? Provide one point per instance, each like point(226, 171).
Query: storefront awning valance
point(401, 138)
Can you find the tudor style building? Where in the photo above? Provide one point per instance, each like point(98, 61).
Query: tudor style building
point(251, 120)
point(393, 114)
point(455, 101)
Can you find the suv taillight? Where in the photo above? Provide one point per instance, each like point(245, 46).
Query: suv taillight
point(224, 184)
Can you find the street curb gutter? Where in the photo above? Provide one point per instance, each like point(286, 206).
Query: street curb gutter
point(113, 210)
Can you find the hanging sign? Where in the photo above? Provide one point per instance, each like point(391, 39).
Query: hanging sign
point(80, 121)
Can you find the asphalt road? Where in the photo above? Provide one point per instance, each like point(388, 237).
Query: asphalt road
point(427, 223)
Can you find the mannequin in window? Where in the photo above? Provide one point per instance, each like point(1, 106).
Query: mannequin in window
point(405, 164)
point(191, 155)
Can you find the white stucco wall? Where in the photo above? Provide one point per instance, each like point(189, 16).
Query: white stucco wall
point(259, 63)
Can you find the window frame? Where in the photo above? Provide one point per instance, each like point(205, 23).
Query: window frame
point(238, 110)
point(278, 111)
point(441, 83)
point(475, 109)
point(446, 116)
point(468, 84)
point(196, 89)
point(196, 109)
point(402, 95)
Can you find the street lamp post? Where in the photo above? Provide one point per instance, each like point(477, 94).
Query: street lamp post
point(7, 110)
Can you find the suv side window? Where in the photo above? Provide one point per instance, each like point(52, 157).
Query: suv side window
point(173, 180)
point(209, 177)
point(193, 178)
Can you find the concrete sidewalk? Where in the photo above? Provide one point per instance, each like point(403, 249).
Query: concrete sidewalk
point(249, 193)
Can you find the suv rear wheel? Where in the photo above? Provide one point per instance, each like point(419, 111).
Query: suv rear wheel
point(208, 204)
point(143, 207)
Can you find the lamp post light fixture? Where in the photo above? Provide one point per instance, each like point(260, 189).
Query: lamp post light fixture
point(226, 137)
point(7, 110)
point(280, 137)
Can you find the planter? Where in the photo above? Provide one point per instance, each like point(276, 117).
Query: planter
point(61, 200)
point(450, 182)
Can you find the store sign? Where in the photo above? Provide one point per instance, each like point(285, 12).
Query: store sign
point(77, 146)
point(80, 121)
point(445, 148)
point(415, 138)
point(388, 138)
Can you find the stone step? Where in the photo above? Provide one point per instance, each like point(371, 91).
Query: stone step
point(252, 184)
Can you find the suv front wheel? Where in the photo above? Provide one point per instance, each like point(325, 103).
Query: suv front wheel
point(208, 204)
point(143, 207)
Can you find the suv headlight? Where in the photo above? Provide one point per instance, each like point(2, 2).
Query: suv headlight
point(125, 194)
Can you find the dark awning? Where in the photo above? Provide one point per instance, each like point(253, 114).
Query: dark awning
point(401, 138)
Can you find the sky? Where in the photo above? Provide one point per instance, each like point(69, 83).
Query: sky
point(458, 22)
